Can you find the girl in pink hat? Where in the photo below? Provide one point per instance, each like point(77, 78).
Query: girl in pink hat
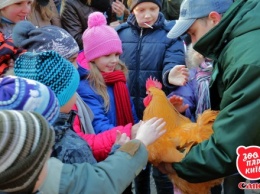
point(103, 86)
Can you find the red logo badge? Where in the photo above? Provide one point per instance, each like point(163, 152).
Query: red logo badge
point(248, 162)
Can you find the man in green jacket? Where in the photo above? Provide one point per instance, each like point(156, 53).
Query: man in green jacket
point(226, 32)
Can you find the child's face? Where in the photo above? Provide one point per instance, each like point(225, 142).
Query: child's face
point(66, 108)
point(43, 174)
point(17, 11)
point(107, 63)
point(73, 60)
point(146, 12)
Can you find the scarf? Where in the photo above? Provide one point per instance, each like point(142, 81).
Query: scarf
point(7, 51)
point(85, 116)
point(203, 78)
point(122, 99)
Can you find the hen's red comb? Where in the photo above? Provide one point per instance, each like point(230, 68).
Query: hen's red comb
point(152, 82)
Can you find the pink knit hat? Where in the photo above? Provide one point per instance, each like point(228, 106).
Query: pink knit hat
point(99, 39)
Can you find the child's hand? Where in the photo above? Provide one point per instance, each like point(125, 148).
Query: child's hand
point(150, 130)
point(178, 75)
point(177, 102)
point(121, 139)
point(135, 129)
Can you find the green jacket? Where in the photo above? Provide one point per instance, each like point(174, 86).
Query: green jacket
point(110, 176)
point(235, 87)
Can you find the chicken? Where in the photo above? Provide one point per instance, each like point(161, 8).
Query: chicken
point(181, 134)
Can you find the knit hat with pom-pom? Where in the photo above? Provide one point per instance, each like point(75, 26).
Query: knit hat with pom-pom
point(17, 93)
point(99, 39)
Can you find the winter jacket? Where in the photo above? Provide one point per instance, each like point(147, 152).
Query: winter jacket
point(69, 147)
point(232, 44)
point(148, 52)
point(110, 176)
point(102, 143)
point(36, 19)
point(102, 120)
point(74, 17)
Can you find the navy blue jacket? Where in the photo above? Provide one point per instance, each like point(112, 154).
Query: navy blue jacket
point(148, 52)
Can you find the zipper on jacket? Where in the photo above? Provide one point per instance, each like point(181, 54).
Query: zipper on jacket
point(138, 71)
point(139, 43)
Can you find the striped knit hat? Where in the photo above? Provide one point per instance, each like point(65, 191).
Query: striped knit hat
point(50, 69)
point(23, 94)
point(26, 140)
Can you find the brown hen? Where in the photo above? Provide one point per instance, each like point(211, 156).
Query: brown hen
point(181, 134)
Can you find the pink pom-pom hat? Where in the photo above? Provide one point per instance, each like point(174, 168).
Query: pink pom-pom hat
point(99, 39)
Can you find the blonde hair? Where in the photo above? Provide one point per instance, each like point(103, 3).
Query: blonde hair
point(45, 11)
point(97, 81)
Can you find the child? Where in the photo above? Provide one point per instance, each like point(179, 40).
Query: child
point(146, 49)
point(104, 87)
point(27, 36)
point(61, 76)
point(55, 177)
point(196, 92)
point(148, 52)
point(18, 93)
point(12, 12)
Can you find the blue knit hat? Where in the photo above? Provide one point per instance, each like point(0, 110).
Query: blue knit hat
point(50, 69)
point(24, 94)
